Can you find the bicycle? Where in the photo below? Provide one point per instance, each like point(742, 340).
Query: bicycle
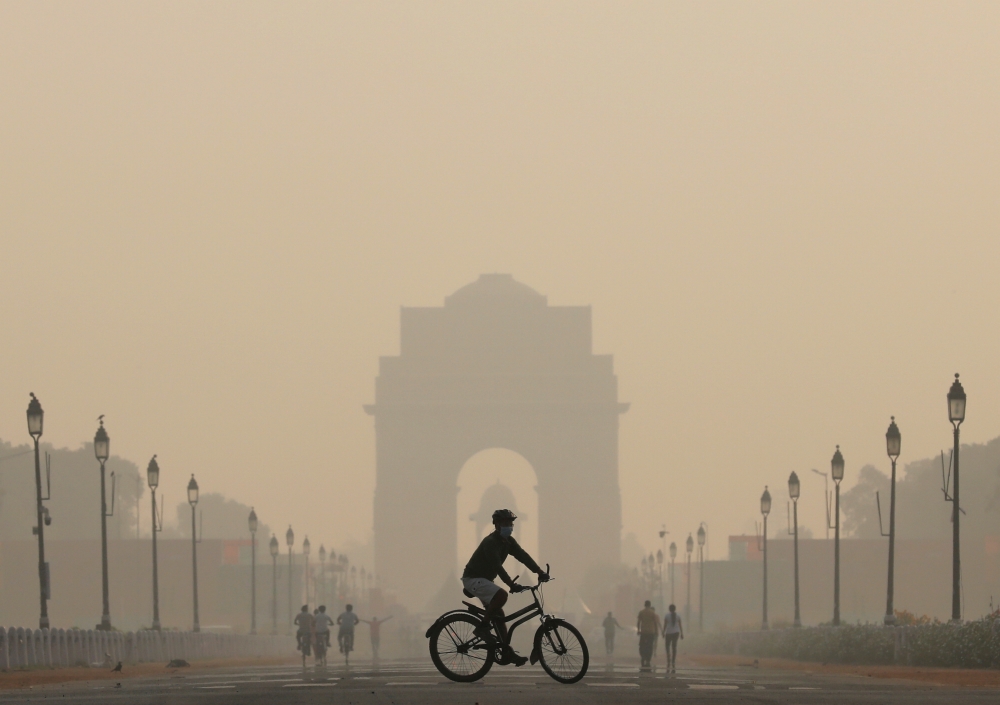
point(305, 642)
point(346, 640)
point(462, 656)
point(319, 649)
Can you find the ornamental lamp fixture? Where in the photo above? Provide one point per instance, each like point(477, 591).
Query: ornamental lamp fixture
point(793, 486)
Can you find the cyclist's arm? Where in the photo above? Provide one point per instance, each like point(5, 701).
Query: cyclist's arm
point(522, 555)
point(504, 576)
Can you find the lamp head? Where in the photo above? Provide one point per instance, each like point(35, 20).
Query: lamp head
point(252, 521)
point(673, 550)
point(35, 417)
point(793, 485)
point(322, 554)
point(689, 544)
point(893, 439)
point(956, 402)
point(765, 502)
point(290, 537)
point(701, 535)
point(193, 491)
point(153, 474)
point(306, 546)
point(101, 441)
point(837, 466)
point(659, 556)
point(274, 546)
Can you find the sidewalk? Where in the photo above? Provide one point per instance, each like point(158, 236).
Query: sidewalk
point(29, 678)
point(966, 677)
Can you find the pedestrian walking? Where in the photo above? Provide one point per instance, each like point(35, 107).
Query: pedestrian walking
point(672, 630)
point(375, 626)
point(647, 626)
point(610, 624)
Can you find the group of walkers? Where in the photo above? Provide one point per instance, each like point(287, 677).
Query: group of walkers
point(314, 627)
point(648, 628)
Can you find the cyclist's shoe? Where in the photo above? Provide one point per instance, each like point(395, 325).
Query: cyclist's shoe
point(512, 657)
point(536, 654)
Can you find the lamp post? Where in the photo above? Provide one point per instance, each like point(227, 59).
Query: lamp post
point(793, 492)
point(274, 586)
point(659, 567)
point(673, 555)
point(765, 509)
point(290, 540)
point(305, 575)
point(689, 545)
point(252, 521)
point(321, 590)
point(35, 418)
point(101, 450)
point(701, 577)
point(893, 442)
point(153, 480)
point(837, 473)
point(956, 414)
point(192, 490)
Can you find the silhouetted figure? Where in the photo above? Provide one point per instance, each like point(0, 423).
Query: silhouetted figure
point(345, 635)
point(483, 568)
point(610, 624)
point(647, 626)
point(118, 668)
point(672, 630)
point(322, 623)
point(375, 625)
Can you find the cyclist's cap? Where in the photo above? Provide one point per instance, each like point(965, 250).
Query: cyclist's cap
point(503, 514)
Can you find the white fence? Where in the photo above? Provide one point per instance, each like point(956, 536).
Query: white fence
point(23, 648)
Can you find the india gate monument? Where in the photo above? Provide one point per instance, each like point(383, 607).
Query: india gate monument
point(495, 367)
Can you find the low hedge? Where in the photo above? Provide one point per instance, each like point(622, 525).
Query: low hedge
point(973, 644)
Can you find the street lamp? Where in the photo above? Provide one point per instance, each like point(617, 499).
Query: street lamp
point(252, 522)
point(290, 540)
point(35, 418)
point(956, 414)
point(193, 501)
point(274, 581)
point(793, 492)
point(305, 575)
point(321, 590)
point(153, 480)
point(765, 509)
point(701, 577)
point(689, 545)
point(893, 441)
point(659, 568)
point(101, 450)
point(673, 555)
point(837, 473)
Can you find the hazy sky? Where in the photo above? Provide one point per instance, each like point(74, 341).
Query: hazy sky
point(783, 214)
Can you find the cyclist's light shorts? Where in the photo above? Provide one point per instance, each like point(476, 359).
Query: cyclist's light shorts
point(482, 588)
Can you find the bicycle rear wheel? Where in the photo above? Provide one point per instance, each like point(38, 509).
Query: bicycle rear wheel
point(457, 652)
point(562, 651)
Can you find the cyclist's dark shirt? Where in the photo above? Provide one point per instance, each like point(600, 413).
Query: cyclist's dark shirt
point(487, 560)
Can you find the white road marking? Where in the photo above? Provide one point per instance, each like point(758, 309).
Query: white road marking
point(712, 686)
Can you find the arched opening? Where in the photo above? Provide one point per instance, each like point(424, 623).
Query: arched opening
point(495, 475)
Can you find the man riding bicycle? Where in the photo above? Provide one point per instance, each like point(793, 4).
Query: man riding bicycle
point(304, 621)
point(482, 569)
point(322, 622)
point(345, 635)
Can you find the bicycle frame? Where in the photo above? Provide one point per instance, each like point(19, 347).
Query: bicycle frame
point(525, 614)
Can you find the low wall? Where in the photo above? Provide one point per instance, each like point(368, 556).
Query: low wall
point(974, 644)
point(25, 648)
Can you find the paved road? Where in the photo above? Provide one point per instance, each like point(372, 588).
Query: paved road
point(400, 683)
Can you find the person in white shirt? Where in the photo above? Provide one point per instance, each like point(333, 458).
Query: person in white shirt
point(322, 624)
point(672, 630)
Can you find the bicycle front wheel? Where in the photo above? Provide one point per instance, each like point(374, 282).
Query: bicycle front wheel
point(562, 651)
point(459, 654)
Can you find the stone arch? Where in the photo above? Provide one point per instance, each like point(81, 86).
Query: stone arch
point(495, 367)
point(496, 478)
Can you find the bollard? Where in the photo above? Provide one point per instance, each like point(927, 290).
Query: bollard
point(22, 648)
